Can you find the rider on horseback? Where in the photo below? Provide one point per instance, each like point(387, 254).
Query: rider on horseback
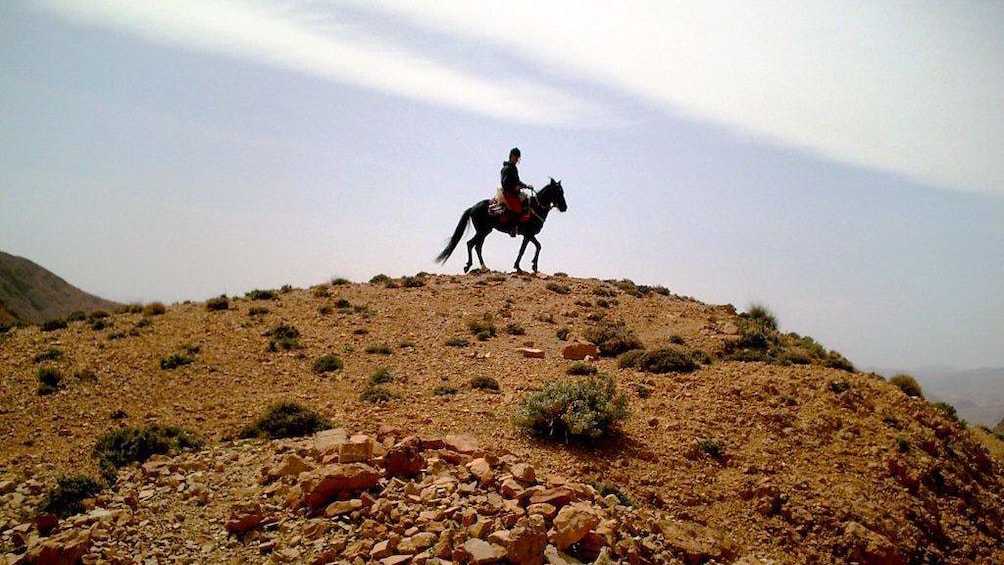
point(511, 194)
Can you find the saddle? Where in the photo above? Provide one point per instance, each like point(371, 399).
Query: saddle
point(498, 207)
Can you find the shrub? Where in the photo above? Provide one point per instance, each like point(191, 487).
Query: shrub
point(283, 337)
point(327, 364)
point(97, 315)
point(53, 325)
point(602, 290)
point(286, 289)
point(581, 369)
point(377, 394)
point(321, 291)
point(908, 385)
point(613, 339)
point(840, 386)
point(341, 281)
point(129, 309)
point(154, 309)
point(588, 408)
point(643, 391)
point(127, 445)
point(483, 325)
point(949, 411)
point(76, 316)
point(563, 334)
point(261, 295)
point(669, 359)
point(406, 344)
point(99, 324)
point(65, 499)
point(219, 303)
point(677, 339)
point(457, 342)
point(86, 376)
point(381, 376)
point(381, 278)
point(630, 359)
point(52, 354)
point(712, 449)
point(559, 288)
point(485, 383)
point(343, 304)
point(412, 282)
point(49, 380)
point(378, 349)
point(445, 390)
point(286, 419)
point(515, 329)
point(257, 311)
point(174, 361)
point(835, 360)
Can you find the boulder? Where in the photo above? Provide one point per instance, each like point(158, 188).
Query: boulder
point(572, 524)
point(358, 449)
point(531, 352)
point(321, 485)
point(403, 461)
point(696, 543)
point(243, 518)
point(461, 444)
point(579, 350)
point(64, 549)
point(481, 552)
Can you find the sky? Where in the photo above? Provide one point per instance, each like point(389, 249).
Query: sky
point(841, 163)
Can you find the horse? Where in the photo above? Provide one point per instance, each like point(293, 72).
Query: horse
point(540, 203)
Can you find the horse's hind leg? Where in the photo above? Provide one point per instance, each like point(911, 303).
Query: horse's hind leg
point(519, 256)
point(475, 243)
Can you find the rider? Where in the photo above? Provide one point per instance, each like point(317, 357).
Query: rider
point(511, 186)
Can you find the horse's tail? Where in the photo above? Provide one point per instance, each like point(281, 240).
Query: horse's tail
point(457, 234)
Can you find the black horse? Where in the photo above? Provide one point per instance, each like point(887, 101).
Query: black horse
point(551, 196)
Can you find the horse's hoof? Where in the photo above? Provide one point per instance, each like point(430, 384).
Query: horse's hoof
point(467, 268)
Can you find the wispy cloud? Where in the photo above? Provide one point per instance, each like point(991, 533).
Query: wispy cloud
point(309, 38)
point(909, 87)
point(913, 88)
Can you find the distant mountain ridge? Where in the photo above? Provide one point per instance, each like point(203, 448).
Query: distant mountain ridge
point(977, 394)
point(30, 293)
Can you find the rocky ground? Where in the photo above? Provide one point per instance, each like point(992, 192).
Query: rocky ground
point(737, 462)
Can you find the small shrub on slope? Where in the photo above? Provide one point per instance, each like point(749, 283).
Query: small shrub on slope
point(327, 364)
point(65, 499)
point(586, 409)
point(908, 385)
point(284, 420)
point(613, 339)
point(669, 359)
point(49, 380)
point(128, 445)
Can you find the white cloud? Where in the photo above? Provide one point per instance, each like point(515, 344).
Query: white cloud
point(910, 87)
point(304, 38)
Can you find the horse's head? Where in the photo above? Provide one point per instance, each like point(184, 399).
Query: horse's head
point(553, 195)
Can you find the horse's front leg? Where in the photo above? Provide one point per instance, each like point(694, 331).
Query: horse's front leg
point(522, 248)
point(536, 254)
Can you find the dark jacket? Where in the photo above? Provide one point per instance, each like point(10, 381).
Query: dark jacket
point(510, 178)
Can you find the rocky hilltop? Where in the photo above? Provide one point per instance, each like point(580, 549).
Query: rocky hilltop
point(767, 449)
point(30, 293)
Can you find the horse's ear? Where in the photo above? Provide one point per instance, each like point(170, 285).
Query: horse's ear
point(552, 180)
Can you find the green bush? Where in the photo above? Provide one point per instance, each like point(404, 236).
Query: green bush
point(175, 360)
point(559, 288)
point(66, 498)
point(123, 446)
point(86, 376)
point(581, 369)
point(219, 303)
point(284, 420)
point(377, 394)
point(483, 325)
point(445, 390)
point(154, 309)
point(606, 489)
point(321, 291)
point(327, 364)
point(586, 409)
point(908, 385)
point(379, 349)
point(670, 359)
point(283, 337)
point(712, 449)
point(613, 338)
point(381, 278)
point(53, 325)
point(341, 281)
point(949, 411)
point(484, 383)
point(412, 282)
point(76, 316)
point(49, 380)
point(630, 359)
point(53, 354)
point(261, 295)
point(257, 311)
point(515, 328)
point(383, 375)
point(457, 342)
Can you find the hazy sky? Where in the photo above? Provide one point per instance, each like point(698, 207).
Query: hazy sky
point(840, 162)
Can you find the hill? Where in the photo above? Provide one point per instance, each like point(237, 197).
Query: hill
point(769, 450)
point(977, 394)
point(32, 294)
